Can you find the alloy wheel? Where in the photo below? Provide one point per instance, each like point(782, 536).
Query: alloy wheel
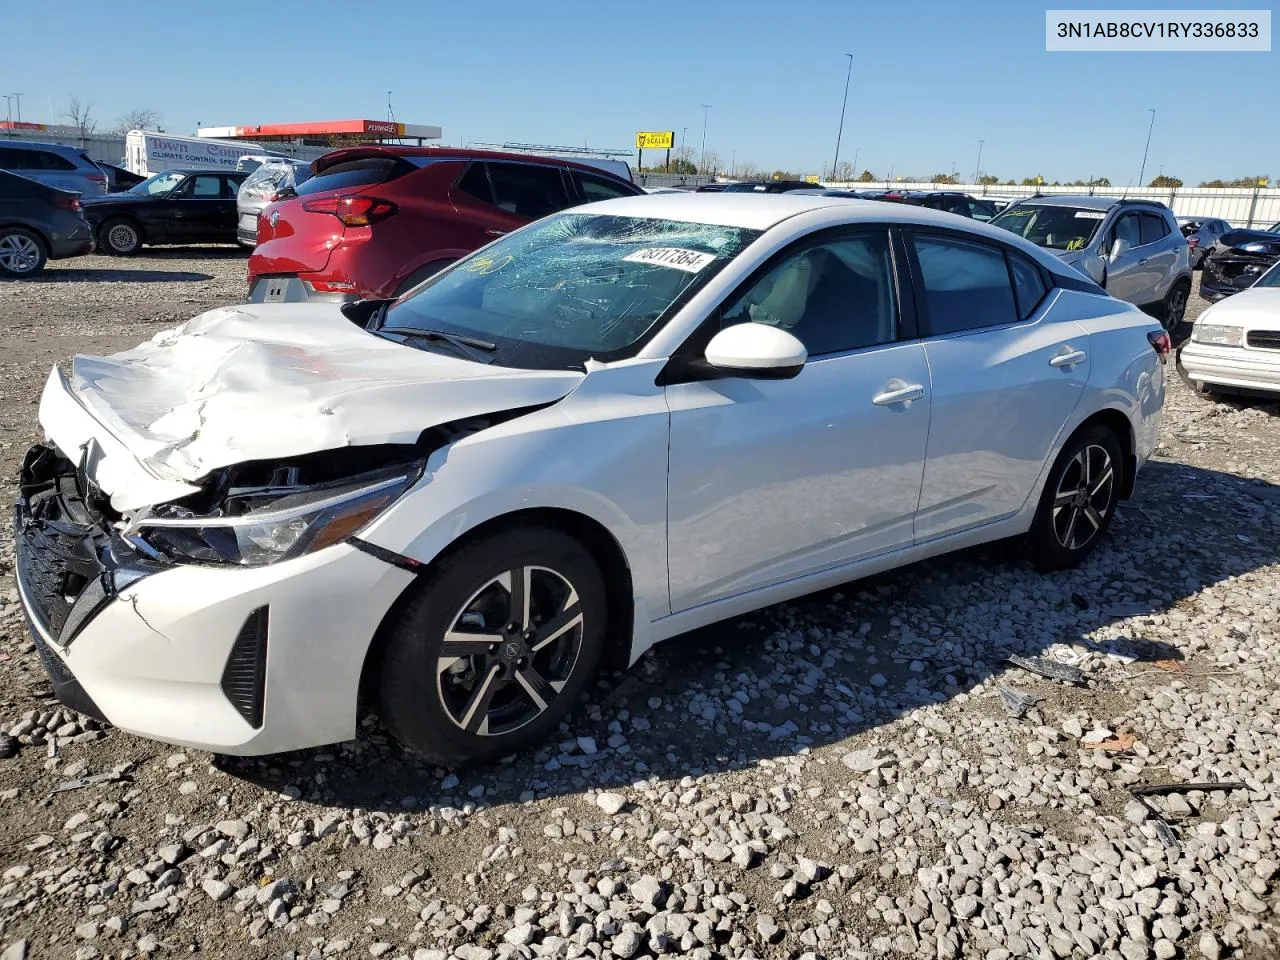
point(509, 651)
point(1083, 497)
point(1176, 308)
point(122, 237)
point(18, 254)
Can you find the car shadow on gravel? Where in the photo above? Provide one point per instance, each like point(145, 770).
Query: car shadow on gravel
point(91, 275)
point(838, 663)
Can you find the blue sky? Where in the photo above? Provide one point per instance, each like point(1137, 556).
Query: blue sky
point(929, 80)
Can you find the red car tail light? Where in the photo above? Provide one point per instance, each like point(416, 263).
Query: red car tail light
point(1160, 342)
point(353, 211)
point(71, 203)
point(1193, 242)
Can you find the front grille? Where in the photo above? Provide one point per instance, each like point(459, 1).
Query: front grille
point(1263, 339)
point(58, 541)
point(244, 677)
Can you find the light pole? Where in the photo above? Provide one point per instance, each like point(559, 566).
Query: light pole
point(1142, 171)
point(706, 108)
point(857, 150)
point(843, 103)
point(8, 102)
point(17, 98)
point(977, 170)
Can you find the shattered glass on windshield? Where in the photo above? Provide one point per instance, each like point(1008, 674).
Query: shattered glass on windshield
point(573, 287)
point(1055, 227)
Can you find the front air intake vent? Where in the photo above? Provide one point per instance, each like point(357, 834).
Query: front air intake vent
point(244, 678)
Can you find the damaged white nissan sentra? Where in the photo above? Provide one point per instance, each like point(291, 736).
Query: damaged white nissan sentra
point(605, 429)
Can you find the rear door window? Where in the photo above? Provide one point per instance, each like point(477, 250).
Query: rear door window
point(527, 190)
point(19, 159)
point(475, 183)
point(364, 172)
point(203, 188)
point(595, 188)
point(1152, 227)
point(966, 284)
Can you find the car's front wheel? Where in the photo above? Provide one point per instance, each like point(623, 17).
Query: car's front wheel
point(495, 646)
point(1078, 500)
point(120, 236)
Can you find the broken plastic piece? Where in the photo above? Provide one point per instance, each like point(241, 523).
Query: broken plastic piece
point(90, 781)
point(1015, 701)
point(1048, 668)
point(1162, 789)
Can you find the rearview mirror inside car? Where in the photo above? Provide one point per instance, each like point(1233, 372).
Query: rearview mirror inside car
point(756, 350)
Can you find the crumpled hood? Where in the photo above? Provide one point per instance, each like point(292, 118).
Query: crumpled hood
point(257, 382)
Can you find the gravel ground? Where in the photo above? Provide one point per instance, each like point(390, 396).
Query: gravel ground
point(833, 777)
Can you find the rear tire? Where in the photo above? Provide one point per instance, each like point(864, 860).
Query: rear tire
point(494, 646)
point(1078, 500)
point(120, 237)
point(22, 253)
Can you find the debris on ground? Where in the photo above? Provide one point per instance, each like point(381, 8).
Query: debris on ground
point(1052, 669)
point(1016, 701)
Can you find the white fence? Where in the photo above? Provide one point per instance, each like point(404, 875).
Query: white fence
point(1240, 206)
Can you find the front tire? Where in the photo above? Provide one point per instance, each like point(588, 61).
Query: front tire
point(494, 647)
point(1078, 500)
point(120, 237)
point(22, 253)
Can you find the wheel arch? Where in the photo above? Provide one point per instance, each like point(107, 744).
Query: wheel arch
point(1119, 424)
point(594, 537)
point(29, 228)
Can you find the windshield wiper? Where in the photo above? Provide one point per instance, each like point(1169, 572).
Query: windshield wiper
point(458, 341)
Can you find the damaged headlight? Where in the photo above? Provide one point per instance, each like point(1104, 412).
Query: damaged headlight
point(1216, 334)
point(282, 528)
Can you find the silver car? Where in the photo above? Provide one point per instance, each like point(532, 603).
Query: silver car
point(1201, 235)
point(1133, 248)
point(605, 429)
point(55, 165)
point(262, 186)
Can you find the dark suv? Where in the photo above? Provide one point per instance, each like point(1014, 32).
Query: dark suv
point(374, 221)
point(949, 201)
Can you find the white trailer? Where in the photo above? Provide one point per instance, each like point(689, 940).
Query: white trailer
point(147, 153)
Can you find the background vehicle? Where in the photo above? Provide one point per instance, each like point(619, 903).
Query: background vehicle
point(1237, 260)
point(1133, 248)
point(66, 168)
point(769, 186)
point(1201, 235)
point(948, 201)
point(711, 188)
point(147, 153)
point(269, 179)
point(38, 223)
point(118, 178)
point(1235, 344)
point(180, 206)
point(374, 221)
point(473, 495)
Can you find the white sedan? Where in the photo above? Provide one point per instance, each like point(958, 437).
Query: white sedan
point(1235, 344)
point(608, 428)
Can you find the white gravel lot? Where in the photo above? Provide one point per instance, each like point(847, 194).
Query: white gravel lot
point(835, 777)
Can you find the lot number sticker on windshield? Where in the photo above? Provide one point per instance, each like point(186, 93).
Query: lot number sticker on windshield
point(690, 261)
point(1089, 215)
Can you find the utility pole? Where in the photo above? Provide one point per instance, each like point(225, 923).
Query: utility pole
point(706, 108)
point(843, 103)
point(1143, 170)
point(977, 170)
point(18, 100)
point(856, 151)
point(8, 102)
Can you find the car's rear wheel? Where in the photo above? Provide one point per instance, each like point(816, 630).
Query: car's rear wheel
point(120, 236)
point(22, 253)
point(1078, 500)
point(495, 646)
point(1175, 305)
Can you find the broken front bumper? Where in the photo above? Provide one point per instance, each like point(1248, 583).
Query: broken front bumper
point(238, 660)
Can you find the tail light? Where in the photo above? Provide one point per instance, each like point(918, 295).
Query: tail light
point(353, 211)
point(70, 202)
point(96, 178)
point(1160, 342)
point(1193, 242)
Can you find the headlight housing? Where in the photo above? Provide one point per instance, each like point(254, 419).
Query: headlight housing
point(283, 528)
point(1216, 335)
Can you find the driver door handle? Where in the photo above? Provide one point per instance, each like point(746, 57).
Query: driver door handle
point(897, 391)
point(1068, 359)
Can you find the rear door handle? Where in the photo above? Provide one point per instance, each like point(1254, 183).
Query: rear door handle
point(1068, 359)
point(898, 391)
point(1143, 260)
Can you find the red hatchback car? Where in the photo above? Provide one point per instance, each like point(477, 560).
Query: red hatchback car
point(372, 222)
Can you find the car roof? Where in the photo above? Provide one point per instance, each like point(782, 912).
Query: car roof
point(454, 153)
